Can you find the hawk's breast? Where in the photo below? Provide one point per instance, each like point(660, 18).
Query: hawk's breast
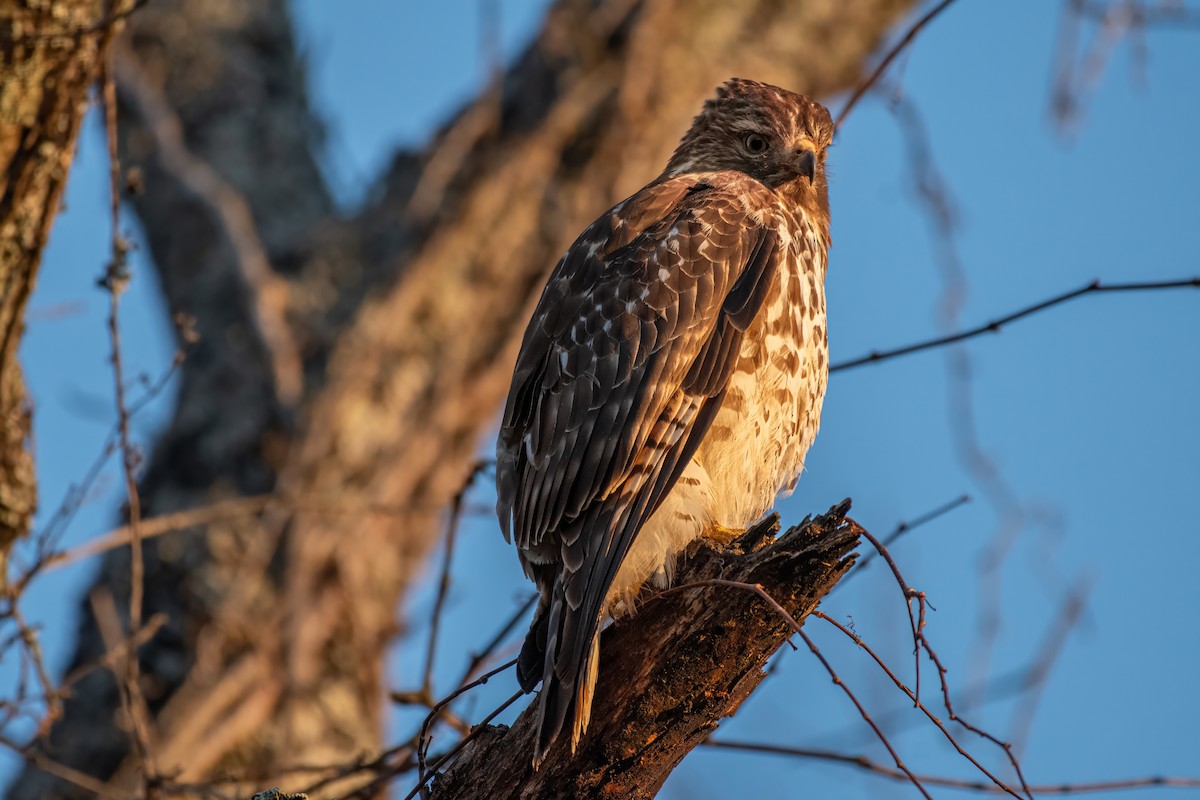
point(772, 407)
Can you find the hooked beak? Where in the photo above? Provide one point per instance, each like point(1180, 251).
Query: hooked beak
point(805, 163)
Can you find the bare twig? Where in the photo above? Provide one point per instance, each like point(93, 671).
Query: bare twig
point(219, 511)
point(905, 527)
point(896, 50)
point(753, 588)
point(995, 326)
point(423, 738)
point(115, 280)
point(63, 772)
point(923, 645)
point(910, 594)
point(477, 659)
point(918, 628)
point(444, 579)
point(1012, 683)
point(119, 654)
point(1001, 786)
point(913, 779)
point(438, 763)
point(113, 659)
point(33, 647)
point(51, 533)
point(157, 526)
point(864, 763)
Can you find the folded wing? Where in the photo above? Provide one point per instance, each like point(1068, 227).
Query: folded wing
point(620, 375)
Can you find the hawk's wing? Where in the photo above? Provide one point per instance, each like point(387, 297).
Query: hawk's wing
point(620, 374)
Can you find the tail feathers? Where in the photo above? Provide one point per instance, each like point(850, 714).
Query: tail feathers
point(532, 659)
point(587, 688)
point(571, 658)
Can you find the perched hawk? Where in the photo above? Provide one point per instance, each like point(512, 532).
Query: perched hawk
point(670, 381)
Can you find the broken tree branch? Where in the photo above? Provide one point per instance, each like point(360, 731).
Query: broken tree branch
point(670, 673)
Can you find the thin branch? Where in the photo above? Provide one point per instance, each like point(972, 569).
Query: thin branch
point(909, 596)
point(1012, 683)
point(77, 494)
point(1000, 785)
point(905, 527)
point(366, 791)
point(922, 643)
point(912, 778)
point(29, 638)
point(485, 653)
point(379, 765)
point(444, 580)
point(112, 659)
point(219, 511)
point(898, 48)
point(795, 626)
point(753, 588)
point(1095, 287)
point(423, 737)
point(157, 526)
point(63, 772)
point(114, 281)
point(120, 655)
point(864, 763)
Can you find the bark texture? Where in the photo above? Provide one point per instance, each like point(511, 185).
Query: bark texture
point(669, 674)
point(355, 362)
point(45, 72)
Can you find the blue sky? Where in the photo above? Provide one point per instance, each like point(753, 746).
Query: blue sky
point(1088, 411)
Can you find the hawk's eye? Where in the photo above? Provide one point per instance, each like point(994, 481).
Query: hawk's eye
point(755, 143)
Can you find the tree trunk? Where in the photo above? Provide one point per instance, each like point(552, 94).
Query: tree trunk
point(45, 71)
point(351, 366)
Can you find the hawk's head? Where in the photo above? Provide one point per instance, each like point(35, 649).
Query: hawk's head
point(773, 135)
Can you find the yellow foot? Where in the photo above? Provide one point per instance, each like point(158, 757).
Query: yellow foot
point(719, 533)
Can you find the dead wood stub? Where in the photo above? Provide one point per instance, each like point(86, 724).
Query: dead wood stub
point(670, 673)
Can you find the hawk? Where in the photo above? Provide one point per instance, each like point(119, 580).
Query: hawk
point(670, 381)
